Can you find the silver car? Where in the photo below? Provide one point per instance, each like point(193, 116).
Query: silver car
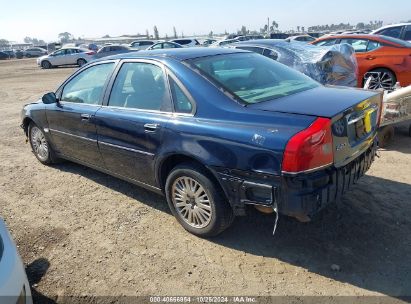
point(14, 287)
point(66, 56)
point(35, 52)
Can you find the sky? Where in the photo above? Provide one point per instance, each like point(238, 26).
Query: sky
point(95, 18)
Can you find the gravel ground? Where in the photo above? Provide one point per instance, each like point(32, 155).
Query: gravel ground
point(81, 232)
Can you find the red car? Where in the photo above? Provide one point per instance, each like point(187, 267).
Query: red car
point(385, 59)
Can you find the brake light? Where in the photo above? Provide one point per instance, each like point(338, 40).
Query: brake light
point(91, 53)
point(309, 149)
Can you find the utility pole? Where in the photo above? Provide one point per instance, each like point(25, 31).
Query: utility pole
point(268, 26)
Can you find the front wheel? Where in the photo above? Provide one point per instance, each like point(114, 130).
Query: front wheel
point(81, 62)
point(46, 64)
point(197, 202)
point(39, 145)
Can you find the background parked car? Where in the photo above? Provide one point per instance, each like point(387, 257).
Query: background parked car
point(400, 31)
point(112, 50)
point(186, 42)
point(385, 59)
point(301, 38)
point(224, 43)
point(208, 42)
point(10, 53)
point(141, 44)
point(35, 52)
point(4, 55)
point(165, 45)
point(335, 65)
point(14, 287)
point(66, 56)
point(19, 54)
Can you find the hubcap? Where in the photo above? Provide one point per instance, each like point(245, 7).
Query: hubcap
point(39, 144)
point(380, 80)
point(191, 202)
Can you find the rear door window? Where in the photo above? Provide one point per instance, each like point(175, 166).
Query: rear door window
point(181, 101)
point(407, 33)
point(394, 32)
point(140, 85)
point(359, 45)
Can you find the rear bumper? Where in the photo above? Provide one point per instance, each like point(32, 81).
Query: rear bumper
point(300, 196)
point(307, 194)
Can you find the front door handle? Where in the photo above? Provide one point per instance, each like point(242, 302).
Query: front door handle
point(370, 58)
point(148, 127)
point(85, 116)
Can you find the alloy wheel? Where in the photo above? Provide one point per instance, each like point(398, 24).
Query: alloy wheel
point(191, 202)
point(380, 80)
point(39, 143)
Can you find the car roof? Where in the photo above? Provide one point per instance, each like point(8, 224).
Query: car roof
point(178, 54)
point(391, 25)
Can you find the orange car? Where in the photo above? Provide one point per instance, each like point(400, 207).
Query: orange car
point(385, 59)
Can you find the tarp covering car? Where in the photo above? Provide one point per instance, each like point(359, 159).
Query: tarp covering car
point(332, 65)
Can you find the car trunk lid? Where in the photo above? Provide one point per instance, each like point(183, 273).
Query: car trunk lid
point(354, 115)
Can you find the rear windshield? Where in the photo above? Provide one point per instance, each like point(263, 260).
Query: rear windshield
point(397, 41)
point(252, 78)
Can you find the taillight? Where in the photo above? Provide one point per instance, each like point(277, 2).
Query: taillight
point(90, 53)
point(309, 149)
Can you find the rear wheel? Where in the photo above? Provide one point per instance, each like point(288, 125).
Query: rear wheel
point(45, 64)
point(197, 202)
point(381, 79)
point(81, 62)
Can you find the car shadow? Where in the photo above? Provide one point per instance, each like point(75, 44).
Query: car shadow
point(35, 272)
point(367, 234)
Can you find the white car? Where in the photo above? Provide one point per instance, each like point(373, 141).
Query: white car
point(400, 31)
point(142, 44)
point(14, 286)
point(301, 38)
point(224, 43)
point(66, 56)
point(186, 42)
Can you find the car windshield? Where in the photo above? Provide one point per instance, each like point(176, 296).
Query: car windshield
point(252, 78)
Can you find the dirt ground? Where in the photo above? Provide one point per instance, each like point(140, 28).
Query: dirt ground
point(81, 232)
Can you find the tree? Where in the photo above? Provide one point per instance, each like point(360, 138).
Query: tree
point(175, 32)
point(274, 26)
point(182, 35)
point(298, 28)
point(210, 35)
point(360, 26)
point(147, 34)
point(106, 36)
point(243, 30)
point(65, 37)
point(303, 29)
point(156, 35)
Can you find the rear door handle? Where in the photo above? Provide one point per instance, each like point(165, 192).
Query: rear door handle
point(85, 116)
point(148, 127)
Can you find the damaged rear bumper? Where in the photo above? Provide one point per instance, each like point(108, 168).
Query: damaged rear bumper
point(300, 196)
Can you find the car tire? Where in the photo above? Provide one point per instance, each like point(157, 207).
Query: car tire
point(81, 62)
point(45, 64)
point(385, 80)
point(40, 146)
point(196, 201)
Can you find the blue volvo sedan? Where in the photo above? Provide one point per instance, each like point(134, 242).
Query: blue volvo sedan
point(214, 130)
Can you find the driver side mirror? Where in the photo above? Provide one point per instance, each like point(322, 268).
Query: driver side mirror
point(49, 98)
